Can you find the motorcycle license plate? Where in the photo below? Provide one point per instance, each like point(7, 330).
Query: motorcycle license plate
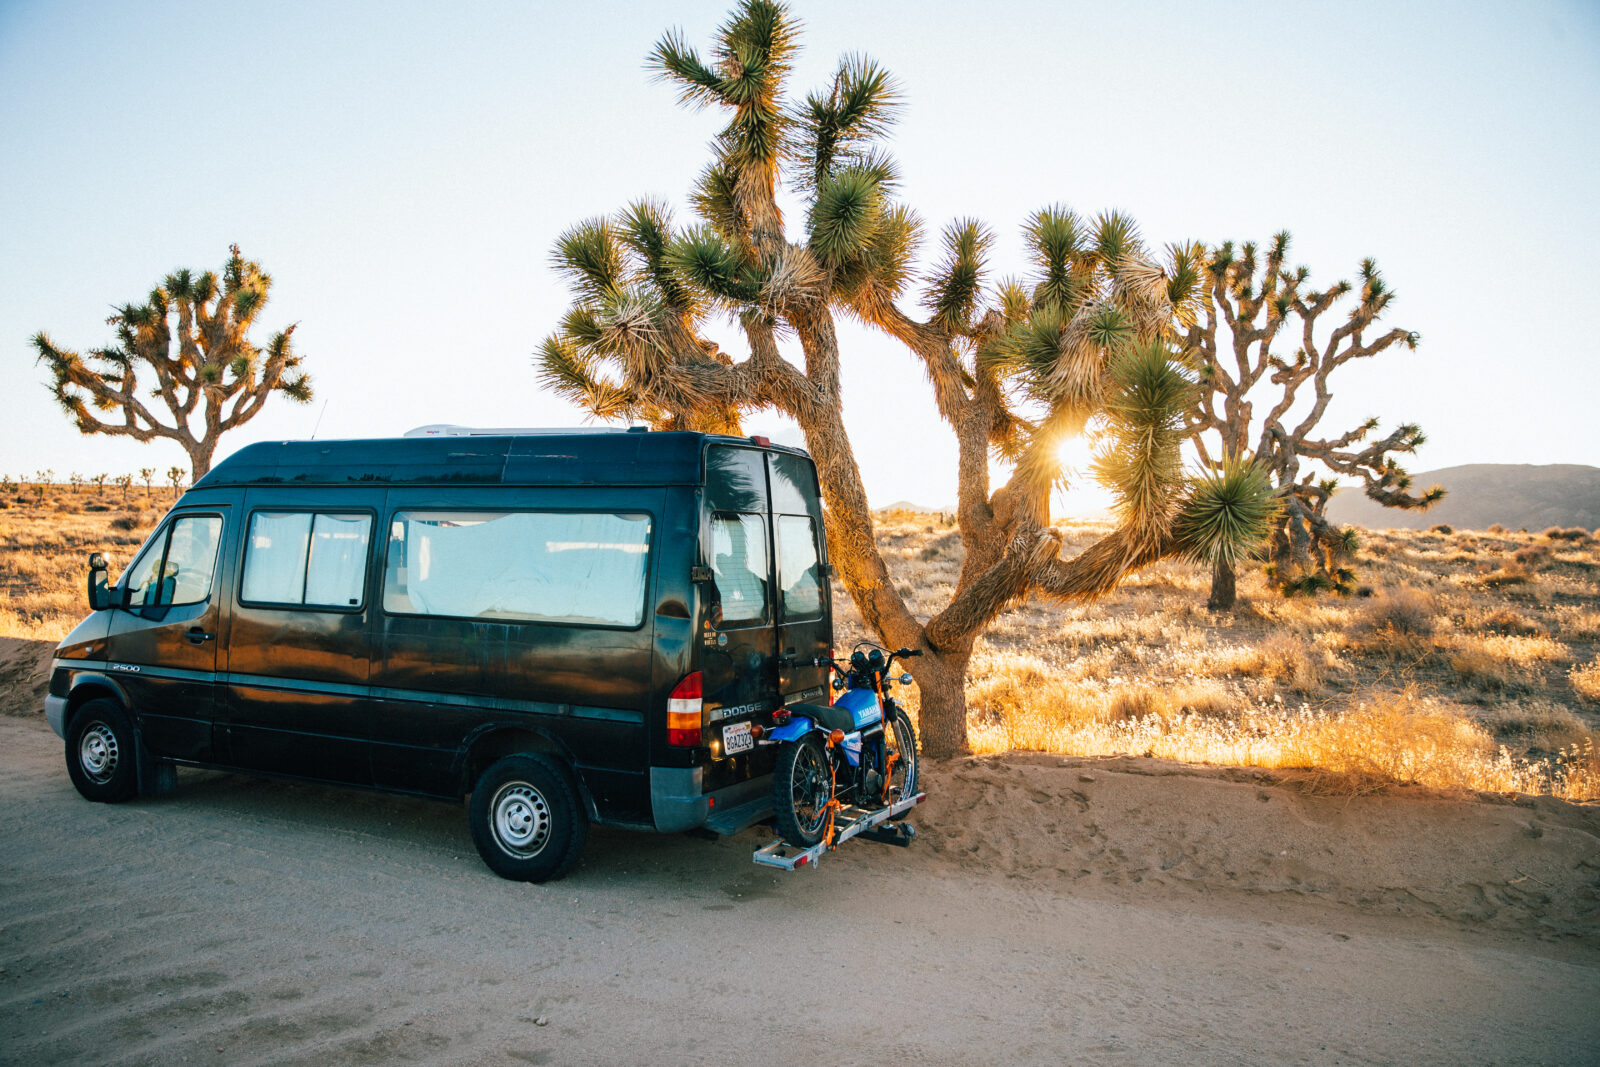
point(736, 738)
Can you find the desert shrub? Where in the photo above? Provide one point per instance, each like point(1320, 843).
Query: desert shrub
point(1533, 557)
point(1396, 622)
point(1585, 680)
point(1496, 528)
point(1584, 626)
point(1476, 667)
point(1139, 702)
point(1573, 533)
point(1507, 621)
point(1537, 724)
point(1509, 572)
point(1442, 528)
point(96, 507)
point(1404, 609)
point(125, 522)
point(1289, 659)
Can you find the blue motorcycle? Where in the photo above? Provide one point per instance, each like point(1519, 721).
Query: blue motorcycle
point(857, 755)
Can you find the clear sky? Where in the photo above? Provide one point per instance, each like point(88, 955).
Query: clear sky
point(402, 170)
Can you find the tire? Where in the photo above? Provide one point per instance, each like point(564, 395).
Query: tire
point(101, 753)
point(901, 738)
point(526, 819)
point(801, 788)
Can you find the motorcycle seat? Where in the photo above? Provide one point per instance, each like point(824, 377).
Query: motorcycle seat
point(827, 716)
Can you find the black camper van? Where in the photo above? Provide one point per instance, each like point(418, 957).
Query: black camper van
point(562, 626)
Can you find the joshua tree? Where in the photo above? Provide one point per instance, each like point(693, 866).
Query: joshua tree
point(1253, 301)
point(1014, 370)
point(124, 482)
point(192, 335)
point(100, 484)
point(42, 481)
point(175, 476)
point(147, 474)
point(76, 481)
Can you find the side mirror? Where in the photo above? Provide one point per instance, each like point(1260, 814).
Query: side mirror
point(99, 595)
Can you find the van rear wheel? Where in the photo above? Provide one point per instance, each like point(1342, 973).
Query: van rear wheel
point(526, 820)
point(100, 752)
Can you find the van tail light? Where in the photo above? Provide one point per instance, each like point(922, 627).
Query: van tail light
point(683, 712)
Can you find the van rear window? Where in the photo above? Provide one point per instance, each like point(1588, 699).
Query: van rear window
point(583, 568)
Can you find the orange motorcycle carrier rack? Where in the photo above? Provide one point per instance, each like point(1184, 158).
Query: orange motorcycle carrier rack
point(852, 822)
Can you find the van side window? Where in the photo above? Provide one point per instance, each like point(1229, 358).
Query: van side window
point(304, 558)
point(797, 567)
point(178, 567)
point(739, 561)
point(541, 566)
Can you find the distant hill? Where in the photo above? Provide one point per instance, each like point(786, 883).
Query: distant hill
point(906, 505)
point(1515, 495)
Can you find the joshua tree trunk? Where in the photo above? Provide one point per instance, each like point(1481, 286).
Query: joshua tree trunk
point(1223, 590)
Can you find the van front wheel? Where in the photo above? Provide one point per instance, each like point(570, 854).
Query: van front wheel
point(100, 752)
point(526, 820)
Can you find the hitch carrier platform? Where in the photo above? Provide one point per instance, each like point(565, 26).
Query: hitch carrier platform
point(849, 822)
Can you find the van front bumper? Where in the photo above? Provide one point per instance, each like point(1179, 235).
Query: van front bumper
point(55, 713)
point(677, 804)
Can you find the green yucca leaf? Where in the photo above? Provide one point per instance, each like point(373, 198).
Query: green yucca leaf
point(646, 228)
point(580, 328)
point(297, 388)
point(1108, 327)
point(845, 215)
point(246, 302)
point(706, 260)
point(715, 200)
point(1227, 514)
point(180, 284)
point(1140, 460)
point(1055, 239)
point(1014, 301)
point(562, 366)
point(954, 286)
point(591, 258)
point(1116, 237)
point(888, 255)
point(674, 60)
point(1279, 248)
point(240, 366)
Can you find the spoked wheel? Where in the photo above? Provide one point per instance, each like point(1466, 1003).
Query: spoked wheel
point(901, 741)
point(802, 786)
point(526, 820)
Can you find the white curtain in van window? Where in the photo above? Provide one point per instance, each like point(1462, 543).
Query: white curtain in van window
point(549, 566)
point(338, 564)
point(275, 560)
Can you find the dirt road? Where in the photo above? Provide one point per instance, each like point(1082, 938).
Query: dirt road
point(250, 921)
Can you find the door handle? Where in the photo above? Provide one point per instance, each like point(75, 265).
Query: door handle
point(198, 636)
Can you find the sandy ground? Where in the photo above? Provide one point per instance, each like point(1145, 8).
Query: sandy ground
point(1120, 911)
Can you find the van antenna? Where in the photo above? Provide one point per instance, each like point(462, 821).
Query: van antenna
point(321, 413)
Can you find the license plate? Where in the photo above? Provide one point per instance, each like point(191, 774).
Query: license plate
point(736, 738)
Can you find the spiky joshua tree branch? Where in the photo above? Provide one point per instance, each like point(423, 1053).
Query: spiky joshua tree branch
point(191, 335)
point(1015, 368)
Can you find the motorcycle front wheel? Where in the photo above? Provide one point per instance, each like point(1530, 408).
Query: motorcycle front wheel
point(901, 740)
point(801, 788)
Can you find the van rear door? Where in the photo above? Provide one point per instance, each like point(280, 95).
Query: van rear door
point(739, 636)
point(802, 596)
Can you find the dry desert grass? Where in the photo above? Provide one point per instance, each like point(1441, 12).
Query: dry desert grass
point(1444, 675)
point(1447, 675)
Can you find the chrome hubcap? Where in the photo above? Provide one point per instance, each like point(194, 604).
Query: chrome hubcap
point(521, 819)
point(97, 752)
